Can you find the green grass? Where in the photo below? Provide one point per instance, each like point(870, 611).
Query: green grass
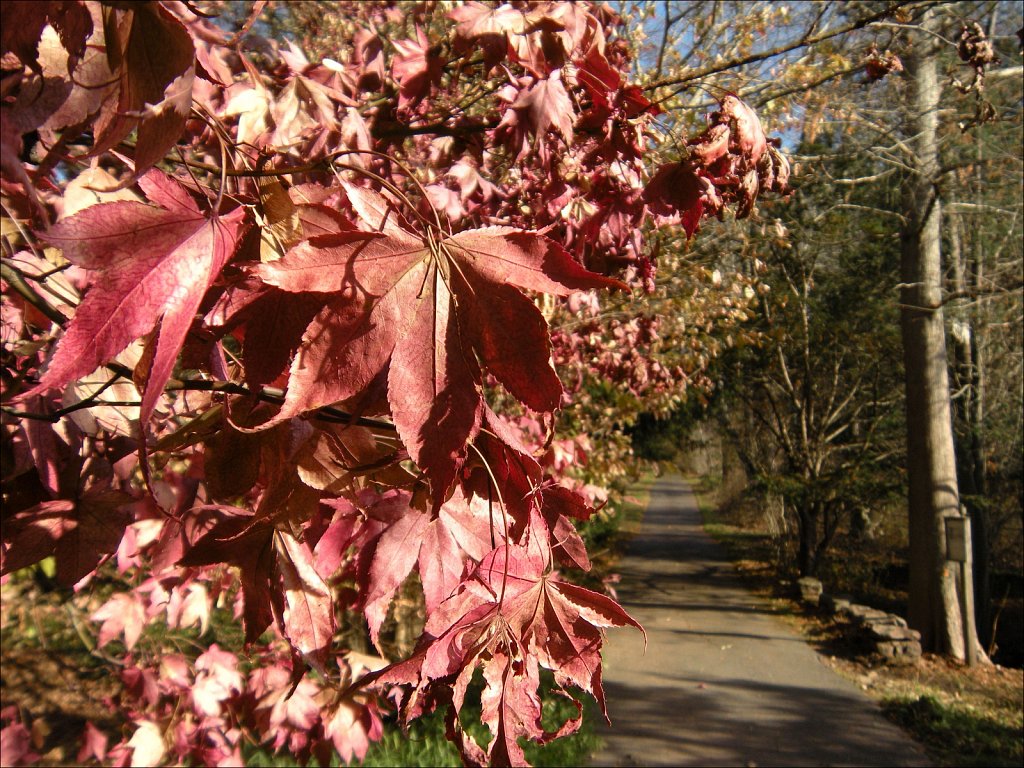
point(424, 744)
point(957, 735)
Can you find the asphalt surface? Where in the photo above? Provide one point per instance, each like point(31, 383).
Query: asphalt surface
point(723, 680)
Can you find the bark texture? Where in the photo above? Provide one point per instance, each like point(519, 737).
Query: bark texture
point(933, 491)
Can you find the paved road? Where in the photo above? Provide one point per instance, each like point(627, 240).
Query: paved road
point(723, 681)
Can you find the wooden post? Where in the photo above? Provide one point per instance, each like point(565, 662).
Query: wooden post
point(967, 597)
point(958, 550)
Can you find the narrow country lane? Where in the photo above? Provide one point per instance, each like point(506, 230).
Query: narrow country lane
point(723, 681)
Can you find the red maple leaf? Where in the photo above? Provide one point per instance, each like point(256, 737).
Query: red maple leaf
point(308, 617)
point(677, 189)
point(157, 69)
point(434, 309)
point(510, 616)
point(731, 161)
point(416, 68)
point(78, 532)
point(124, 613)
point(23, 24)
point(238, 538)
point(153, 265)
point(477, 20)
point(439, 546)
point(535, 108)
point(561, 622)
point(488, 27)
point(392, 537)
point(547, 103)
point(94, 744)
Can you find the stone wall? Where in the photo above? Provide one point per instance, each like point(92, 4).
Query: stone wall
point(883, 635)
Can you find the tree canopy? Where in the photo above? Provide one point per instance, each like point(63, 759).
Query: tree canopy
point(276, 338)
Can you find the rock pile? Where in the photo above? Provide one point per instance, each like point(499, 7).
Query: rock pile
point(883, 634)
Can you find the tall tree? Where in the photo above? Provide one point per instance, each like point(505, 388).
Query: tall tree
point(982, 226)
point(809, 406)
point(935, 606)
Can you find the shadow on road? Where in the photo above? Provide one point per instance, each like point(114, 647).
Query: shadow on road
point(740, 722)
point(723, 681)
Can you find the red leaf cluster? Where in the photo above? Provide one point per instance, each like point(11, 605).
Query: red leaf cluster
point(877, 65)
point(304, 305)
point(730, 162)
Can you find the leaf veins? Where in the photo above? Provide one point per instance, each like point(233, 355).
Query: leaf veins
point(435, 313)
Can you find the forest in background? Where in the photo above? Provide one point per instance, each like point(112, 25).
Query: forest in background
point(810, 396)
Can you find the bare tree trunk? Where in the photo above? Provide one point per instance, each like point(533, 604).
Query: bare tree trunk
point(968, 413)
point(807, 533)
point(934, 495)
point(980, 514)
point(980, 522)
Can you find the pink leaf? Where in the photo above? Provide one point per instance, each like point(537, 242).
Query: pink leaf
point(16, 745)
point(147, 744)
point(479, 20)
point(155, 265)
point(330, 550)
point(94, 744)
point(297, 709)
point(511, 339)
point(432, 387)
point(396, 552)
point(510, 616)
point(122, 613)
point(309, 606)
point(547, 103)
point(511, 706)
point(525, 259)
point(441, 564)
point(417, 67)
point(748, 134)
point(351, 727)
point(217, 680)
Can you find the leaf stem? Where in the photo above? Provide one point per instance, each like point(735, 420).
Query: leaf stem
point(266, 394)
point(17, 281)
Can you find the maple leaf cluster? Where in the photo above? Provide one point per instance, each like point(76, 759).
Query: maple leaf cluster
point(878, 64)
point(732, 161)
point(259, 313)
point(976, 51)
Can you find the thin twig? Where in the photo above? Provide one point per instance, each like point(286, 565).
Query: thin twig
point(17, 281)
point(776, 51)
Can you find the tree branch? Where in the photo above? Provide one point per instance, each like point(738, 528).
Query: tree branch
point(16, 280)
point(753, 58)
point(266, 394)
